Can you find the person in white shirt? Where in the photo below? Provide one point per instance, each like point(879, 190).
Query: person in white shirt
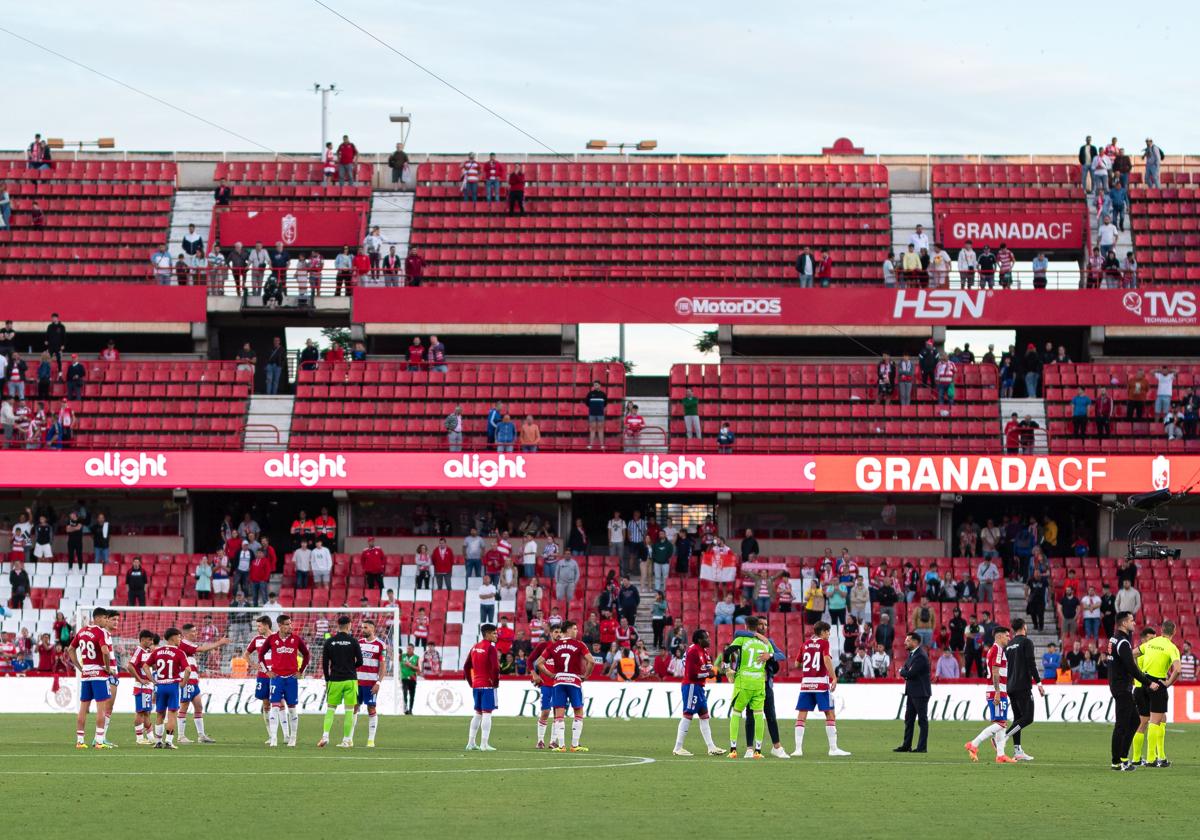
point(616, 534)
point(1106, 236)
point(879, 661)
point(987, 573)
point(322, 564)
point(1101, 164)
point(967, 263)
point(8, 419)
point(1129, 269)
point(1166, 388)
point(529, 556)
point(302, 560)
point(919, 239)
point(1173, 425)
point(259, 261)
point(939, 268)
point(1089, 605)
point(373, 243)
point(272, 607)
point(889, 270)
point(487, 600)
point(163, 265)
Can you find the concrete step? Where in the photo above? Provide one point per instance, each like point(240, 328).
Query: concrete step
point(656, 412)
point(1035, 408)
point(190, 207)
point(267, 410)
point(908, 211)
point(391, 211)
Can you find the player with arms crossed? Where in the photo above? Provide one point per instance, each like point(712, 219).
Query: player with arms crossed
point(482, 670)
point(340, 661)
point(546, 686)
point(191, 690)
point(817, 683)
point(697, 670)
point(371, 675)
point(170, 667)
point(262, 682)
point(997, 700)
point(89, 653)
point(289, 657)
point(572, 664)
point(143, 691)
point(747, 656)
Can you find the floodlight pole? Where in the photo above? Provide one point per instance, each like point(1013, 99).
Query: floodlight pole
point(324, 91)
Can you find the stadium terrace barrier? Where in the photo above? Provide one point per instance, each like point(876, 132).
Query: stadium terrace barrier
point(623, 701)
point(594, 472)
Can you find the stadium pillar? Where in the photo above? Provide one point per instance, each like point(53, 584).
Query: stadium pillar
point(724, 341)
point(570, 341)
point(565, 521)
point(1096, 337)
point(343, 517)
point(1105, 524)
point(187, 525)
point(724, 513)
point(200, 338)
point(946, 514)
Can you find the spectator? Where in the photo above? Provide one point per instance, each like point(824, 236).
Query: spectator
point(436, 356)
point(223, 194)
point(919, 239)
point(691, 414)
point(1118, 198)
point(836, 594)
point(374, 562)
point(302, 562)
point(1090, 607)
point(398, 162)
point(37, 217)
point(885, 379)
point(1033, 370)
point(347, 156)
point(44, 373)
point(531, 435)
point(566, 578)
point(1040, 266)
point(596, 402)
point(634, 424)
point(806, 268)
point(373, 243)
point(1153, 156)
point(1005, 260)
point(577, 542)
point(359, 353)
point(136, 581)
point(516, 190)
point(1172, 423)
point(987, 268)
point(939, 268)
point(259, 260)
point(1165, 379)
point(947, 668)
point(628, 599)
point(247, 359)
point(943, 377)
point(1080, 404)
point(1101, 164)
point(414, 268)
point(442, 564)
point(725, 439)
point(1129, 269)
point(5, 207)
point(470, 171)
point(927, 361)
point(18, 581)
point(860, 601)
point(987, 573)
point(473, 554)
point(889, 270)
point(1087, 154)
point(493, 175)
point(494, 416)
point(1068, 613)
point(507, 580)
point(968, 262)
point(825, 270)
point(487, 600)
point(193, 243)
point(1051, 660)
point(322, 563)
point(393, 268)
point(38, 154)
point(923, 618)
point(453, 425)
point(360, 268)
point(309, 357)
point(1188, 664)
point(1106, 236)
point(910, 266)
point(56, 338)
point(724, 611)
point(343, 266)
point(328, 165)
point(8, 420)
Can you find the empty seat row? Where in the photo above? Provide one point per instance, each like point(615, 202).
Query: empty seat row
point(91, 170)
point(281, 172)
point(677, 173)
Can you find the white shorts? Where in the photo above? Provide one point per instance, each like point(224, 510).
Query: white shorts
point(43, 551)
point(220, 586)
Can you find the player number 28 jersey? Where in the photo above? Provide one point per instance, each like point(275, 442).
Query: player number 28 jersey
point(88, 643)
point(813, 675)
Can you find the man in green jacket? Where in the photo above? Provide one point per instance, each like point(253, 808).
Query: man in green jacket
point(661, 553)
point(410, 666)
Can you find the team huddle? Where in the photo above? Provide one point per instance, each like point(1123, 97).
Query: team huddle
point(166, 675)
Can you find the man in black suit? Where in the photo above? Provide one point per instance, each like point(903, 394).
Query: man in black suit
point(917, 692)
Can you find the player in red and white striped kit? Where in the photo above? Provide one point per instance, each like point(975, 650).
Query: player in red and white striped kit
point(143, 690)
point(191, 691)
point(997, 700)
point(262, 682)
point(370, 676)
point(112, 620)
point(88, 652)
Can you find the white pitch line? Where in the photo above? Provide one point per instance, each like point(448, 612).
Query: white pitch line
point(635, 761)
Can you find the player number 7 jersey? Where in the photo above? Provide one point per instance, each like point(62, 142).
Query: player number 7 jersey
point(566, 659)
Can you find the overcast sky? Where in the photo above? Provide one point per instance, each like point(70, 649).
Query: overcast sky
point(761, 77)
point(698, 77)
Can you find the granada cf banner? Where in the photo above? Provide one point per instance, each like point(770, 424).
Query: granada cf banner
point(681, 302)
point(1048, 230)
point(613, 472)
point(295, 228)
point(720, 564)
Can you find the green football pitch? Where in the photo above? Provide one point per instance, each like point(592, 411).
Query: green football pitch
point(419, 779)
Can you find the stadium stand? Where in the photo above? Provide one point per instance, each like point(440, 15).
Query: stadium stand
point(728, 221)
point(1166, 226)
point(1128, 435)
point(163, 405)
point(832, 407)
point(383, 405)
point(102, 219)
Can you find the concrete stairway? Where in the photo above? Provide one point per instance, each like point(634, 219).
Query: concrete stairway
point(1016, 609)
point(191, 207)
point(908, 211)
point(1036, 409)
point(269, 411)
point(391, 211)
point(656, 412)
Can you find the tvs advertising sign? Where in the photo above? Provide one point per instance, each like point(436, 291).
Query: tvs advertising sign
point(601, 472)
point(295, 228)
point(1042, 230)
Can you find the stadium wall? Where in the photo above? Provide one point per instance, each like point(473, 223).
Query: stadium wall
point(517, 698)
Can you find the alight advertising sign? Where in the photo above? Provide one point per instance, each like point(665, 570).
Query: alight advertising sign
point(599, 472)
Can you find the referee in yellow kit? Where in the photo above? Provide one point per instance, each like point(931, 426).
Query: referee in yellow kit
point(1160, 660)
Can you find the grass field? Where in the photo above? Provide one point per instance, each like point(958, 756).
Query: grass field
point(419, 780)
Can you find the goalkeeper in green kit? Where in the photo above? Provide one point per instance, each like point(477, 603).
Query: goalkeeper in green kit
point(747, 656)
point(340, 661)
